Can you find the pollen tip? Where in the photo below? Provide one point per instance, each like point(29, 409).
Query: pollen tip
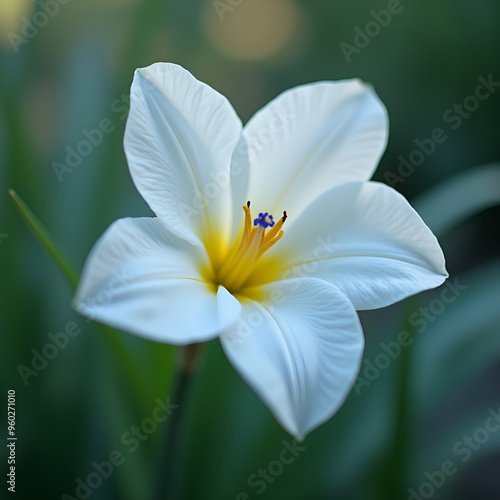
point(248, 204)
point(284, 216)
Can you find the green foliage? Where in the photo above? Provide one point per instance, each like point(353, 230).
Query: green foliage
point(74, 73)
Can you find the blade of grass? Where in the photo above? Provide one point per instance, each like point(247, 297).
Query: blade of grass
point(44, 237)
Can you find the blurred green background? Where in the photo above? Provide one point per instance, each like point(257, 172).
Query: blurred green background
point(65, 65)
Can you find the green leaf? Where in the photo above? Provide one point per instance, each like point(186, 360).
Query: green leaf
point(454, 201)
point(456, 355)
point(462, 343)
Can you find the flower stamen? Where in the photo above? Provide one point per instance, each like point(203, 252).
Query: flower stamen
point(253, 244)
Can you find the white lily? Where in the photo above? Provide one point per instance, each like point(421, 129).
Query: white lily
point(282, 298)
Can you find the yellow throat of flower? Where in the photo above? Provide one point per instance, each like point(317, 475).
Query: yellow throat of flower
point(242, 258)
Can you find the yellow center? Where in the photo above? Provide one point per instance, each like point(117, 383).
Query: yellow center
point(241, 262)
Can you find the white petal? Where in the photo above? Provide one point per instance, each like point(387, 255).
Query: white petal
point(141, 278)
point(179, 139)
point(300, 350)
point(367, 240)
point(310, 139)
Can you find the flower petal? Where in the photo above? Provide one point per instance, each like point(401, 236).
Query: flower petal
point(310, 139)
point(179, 139)
point(366, 239)
point(299, 349)
point(141, 278)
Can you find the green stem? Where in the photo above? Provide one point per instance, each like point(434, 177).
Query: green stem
point(393, 473)
point(169, 485)
point(43, 235)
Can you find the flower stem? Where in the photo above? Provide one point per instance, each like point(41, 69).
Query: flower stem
point(169, 484)
point(394, 468)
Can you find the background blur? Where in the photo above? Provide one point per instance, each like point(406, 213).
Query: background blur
point(420, 422)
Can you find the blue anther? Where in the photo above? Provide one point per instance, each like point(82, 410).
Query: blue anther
point(264, 220)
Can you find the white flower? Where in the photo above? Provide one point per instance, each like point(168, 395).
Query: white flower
point(210, 266)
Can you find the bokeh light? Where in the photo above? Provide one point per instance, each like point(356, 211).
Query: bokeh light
point(252, 30)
